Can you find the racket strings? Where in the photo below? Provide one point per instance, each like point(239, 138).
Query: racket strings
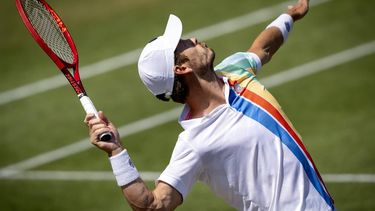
point(47, 28)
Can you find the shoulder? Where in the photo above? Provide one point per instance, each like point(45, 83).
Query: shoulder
point(184, 149)
point(183, 169)
point(240, 61)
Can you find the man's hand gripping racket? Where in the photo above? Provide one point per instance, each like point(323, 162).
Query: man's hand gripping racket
point(53, 37)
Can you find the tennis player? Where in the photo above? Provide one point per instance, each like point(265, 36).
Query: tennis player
point(236, 138)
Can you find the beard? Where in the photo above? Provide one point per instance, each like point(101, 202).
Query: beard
point(206, 69)
point(212, 58)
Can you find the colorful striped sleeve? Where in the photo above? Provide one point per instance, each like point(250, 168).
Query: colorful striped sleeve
point(239, 66)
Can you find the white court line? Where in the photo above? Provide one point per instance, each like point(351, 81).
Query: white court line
point(152, 176)
point(159, 119)
point(84, 144)
point(75, 175)
point(320, 64)
point(131, 57)
point(349, 178)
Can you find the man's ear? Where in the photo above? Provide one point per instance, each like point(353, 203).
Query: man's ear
point(182, 69)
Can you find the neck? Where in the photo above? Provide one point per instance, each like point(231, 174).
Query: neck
point(205, 95)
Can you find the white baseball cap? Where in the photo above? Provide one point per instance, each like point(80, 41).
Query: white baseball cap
point(156, 62)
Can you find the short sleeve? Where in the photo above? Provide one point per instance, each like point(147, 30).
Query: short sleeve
point(183, 169)
point(239, 66)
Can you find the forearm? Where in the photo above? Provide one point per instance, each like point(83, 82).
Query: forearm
point(267, 43)
point(270, 40)
point(140, 197)
point(163, 197)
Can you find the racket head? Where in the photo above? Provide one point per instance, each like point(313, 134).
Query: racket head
point(49, 31)
point(51, 34)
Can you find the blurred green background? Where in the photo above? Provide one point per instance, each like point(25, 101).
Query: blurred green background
point(333, 110)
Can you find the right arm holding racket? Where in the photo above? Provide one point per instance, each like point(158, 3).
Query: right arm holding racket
point(51, 34)
point(139, 197)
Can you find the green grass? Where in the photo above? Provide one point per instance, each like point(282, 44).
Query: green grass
point(333, 110)
point(353, 196)
point(339, 105)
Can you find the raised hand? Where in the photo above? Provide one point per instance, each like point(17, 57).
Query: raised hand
point(299, 10)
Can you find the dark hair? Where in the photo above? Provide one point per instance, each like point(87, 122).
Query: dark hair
point(162, 97)
point(180, 89)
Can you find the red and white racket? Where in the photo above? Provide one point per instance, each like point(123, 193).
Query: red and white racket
point(53, 37)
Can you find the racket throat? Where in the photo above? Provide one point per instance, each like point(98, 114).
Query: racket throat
point(76, 84)
point(81, 95)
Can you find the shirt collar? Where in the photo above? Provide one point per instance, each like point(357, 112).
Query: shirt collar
point(185, 120)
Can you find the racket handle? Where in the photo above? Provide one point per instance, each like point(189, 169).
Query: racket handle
point(90, 108)
point(107, 136)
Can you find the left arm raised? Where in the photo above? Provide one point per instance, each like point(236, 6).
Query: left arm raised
point(270, 40)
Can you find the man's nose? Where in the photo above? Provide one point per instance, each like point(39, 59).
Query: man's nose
point(194, 40)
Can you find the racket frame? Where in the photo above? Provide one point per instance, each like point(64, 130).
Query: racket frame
point(74, 79)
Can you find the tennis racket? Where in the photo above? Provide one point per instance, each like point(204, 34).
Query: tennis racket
point(53, 37)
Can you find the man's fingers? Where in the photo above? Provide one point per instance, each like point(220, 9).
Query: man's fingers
point(98, 126)
point(100, 131)
point(95, 121)
point(103, 117)
point(96, 133)
point(88, 118)
point(299, 10)
point(92, 119)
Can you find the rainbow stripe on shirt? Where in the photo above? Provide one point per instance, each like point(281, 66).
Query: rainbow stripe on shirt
point(251, 98)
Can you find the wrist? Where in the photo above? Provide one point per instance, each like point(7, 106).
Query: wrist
point(123, 168)
point(292, 15)
point(284, 23)
point(115, 151)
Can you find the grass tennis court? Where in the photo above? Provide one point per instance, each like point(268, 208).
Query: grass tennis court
point(333, 109)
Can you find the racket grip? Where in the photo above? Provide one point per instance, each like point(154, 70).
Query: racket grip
point(107, 136)
point(90, 109)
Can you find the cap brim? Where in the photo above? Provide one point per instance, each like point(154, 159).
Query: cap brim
point(173, 31)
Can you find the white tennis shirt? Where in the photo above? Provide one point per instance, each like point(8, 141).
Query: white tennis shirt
point(246, 150)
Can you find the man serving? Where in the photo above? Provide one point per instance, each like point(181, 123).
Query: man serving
point(236, 138)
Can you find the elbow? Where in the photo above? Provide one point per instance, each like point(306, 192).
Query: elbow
point(139, 197)
point(142, 200)
point(263, 54)
point(150, 203)
point(266, 58)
